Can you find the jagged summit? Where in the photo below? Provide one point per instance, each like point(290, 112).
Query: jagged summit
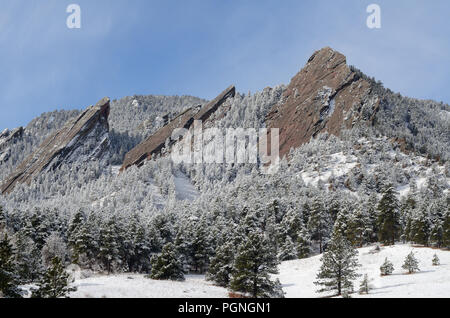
point(83, 138)
point(326, 95)
point(156, 142)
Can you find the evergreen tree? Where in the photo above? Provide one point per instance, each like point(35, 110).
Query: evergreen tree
point(364, 288)
point(109, 246)
point(78, 239)
point(3, 222)
point(446, 229)
point(388, 216)
point(27, 258)
point(319, 223)
point(436, 261)
point(288, 250)
point(411, 264)
point(8, 279)
point(167, 265)
point(420, 227)
point(221, 266)
point(387, 268)
point(339, 265)
point(359, 227)
point(253, 264)
point(303, 244)
point(200, 247)
point(437, 212)
point(54, 283)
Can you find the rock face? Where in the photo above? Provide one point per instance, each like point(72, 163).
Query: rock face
point(81, 139)
point(326, 95)
point(7, 138)
point(154, 144)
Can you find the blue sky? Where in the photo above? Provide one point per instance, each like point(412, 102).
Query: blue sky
point(199, 47)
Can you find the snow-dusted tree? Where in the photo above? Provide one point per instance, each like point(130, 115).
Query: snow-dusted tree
point(288, 250)
point(55, 282)
point(27, 258)
point(339, 264)
point(79, 238)
point(387, 268)
point(8, 279)
point(359, 229)
point(109, 245)
point(303, 244)
point(54, 247)
point(319, 222)
point(411, 264)
point(2, 219)
point(221, 266)
point(446, 229)
point(254, 262)
point(420, 226)
point(436, 261)
point(388, 216)
point(167, 265)
point(364, 288)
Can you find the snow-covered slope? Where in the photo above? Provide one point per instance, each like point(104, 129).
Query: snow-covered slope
point(298, 276)
point(137, 286)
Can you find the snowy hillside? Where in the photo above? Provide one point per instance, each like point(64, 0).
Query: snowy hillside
point(298, 276)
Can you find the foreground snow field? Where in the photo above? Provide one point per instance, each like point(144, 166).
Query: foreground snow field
point(296, 276)
point(137, 286)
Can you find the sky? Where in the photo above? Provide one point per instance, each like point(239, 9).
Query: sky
point(200, 47)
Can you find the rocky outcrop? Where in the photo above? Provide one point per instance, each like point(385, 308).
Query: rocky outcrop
point(8, 138)
point(154, 144)
point(325, 96)
point(82, 139)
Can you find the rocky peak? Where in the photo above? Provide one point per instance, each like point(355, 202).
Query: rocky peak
point(81, 139)
point(155, 143)
point(326, 95)
point(7, 138)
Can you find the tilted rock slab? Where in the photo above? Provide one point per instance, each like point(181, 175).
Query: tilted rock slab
point(81, 139)
point(326, 95)
point(154, 144)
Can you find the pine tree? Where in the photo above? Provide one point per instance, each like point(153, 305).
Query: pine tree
point(446, 229)
point(303, 244)
point(221, 266)
point(364, 288)
point(167, 265)
point(411, 264)
point(319, 223)
point(387, 268)
point(8, 279)
point(339, 265)
point(78, 238)
point(253, 264)
point(27, 258)
point(437, 212)
point(3, 222)
point(109, 247)
point(388, 216)
point(288, 250)
point(200, 247)
point(436, 261)
point(54, 283)
point(420, 227)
